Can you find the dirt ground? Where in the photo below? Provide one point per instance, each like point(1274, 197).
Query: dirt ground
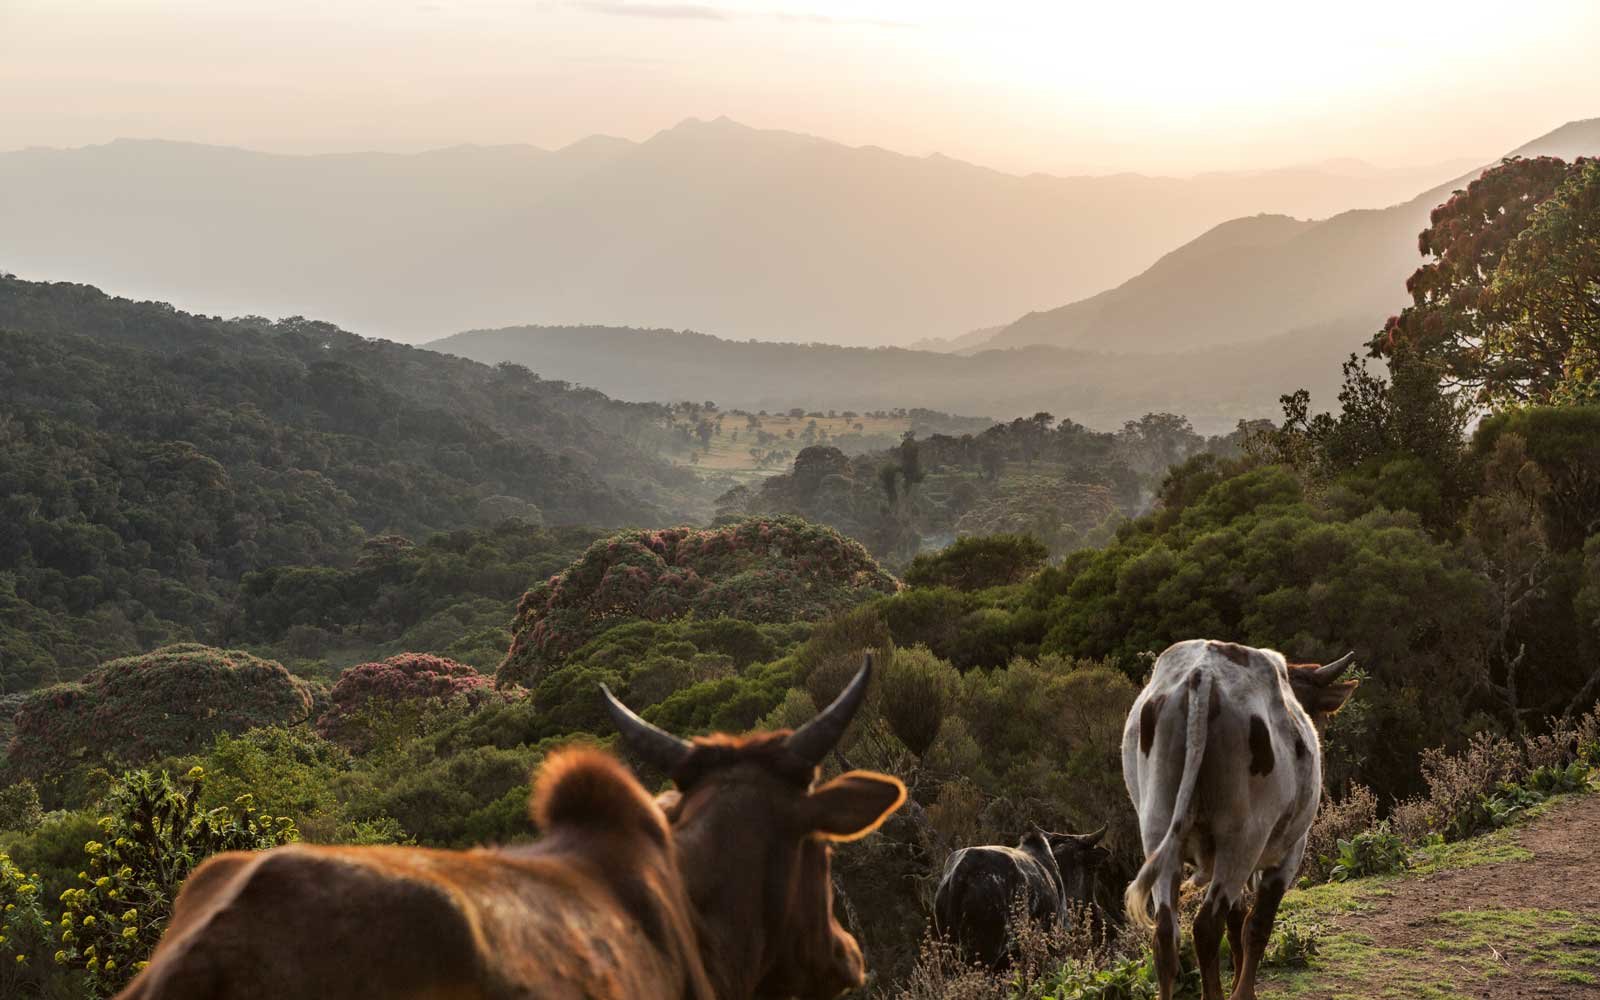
point(1506, 925)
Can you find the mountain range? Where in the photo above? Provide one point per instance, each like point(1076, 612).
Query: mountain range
point(1217, 330)
point(708, 225)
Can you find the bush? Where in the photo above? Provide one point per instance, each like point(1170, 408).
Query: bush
point(1337, 822)
point(155, 832)
point(399, 680)
point(979, 562)
point(24, 930)
point(775, 569)
point(172, 701)
point(1378, 851)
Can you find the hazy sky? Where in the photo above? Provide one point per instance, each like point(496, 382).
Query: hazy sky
point(1053, 86)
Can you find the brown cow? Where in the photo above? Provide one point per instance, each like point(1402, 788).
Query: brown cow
point(721, 889)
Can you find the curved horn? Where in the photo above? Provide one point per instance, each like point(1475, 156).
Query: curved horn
point(813, 740)
point(1329, 672)
point(1091, 839)
point(653, 745)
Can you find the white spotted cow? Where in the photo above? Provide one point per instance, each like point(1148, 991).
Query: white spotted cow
point(1222, 759)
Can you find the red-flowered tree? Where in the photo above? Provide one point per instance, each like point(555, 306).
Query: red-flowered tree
point(403, 679)
point(762, 569)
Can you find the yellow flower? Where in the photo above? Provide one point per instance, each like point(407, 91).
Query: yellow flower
point(130, 916)
point(66, 935)
point(102, 882)
point(91, 965)
point(61, 958)
point(130, 932)
point(89, 920)
point(88, 952)
point(111, 963)
point(196, 773)
point(114, 894)
point(21, 959)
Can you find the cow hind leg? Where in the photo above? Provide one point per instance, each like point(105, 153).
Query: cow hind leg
point(1209, 924)
point(1236, 915)
point(1258, 931)
point(1166, 943)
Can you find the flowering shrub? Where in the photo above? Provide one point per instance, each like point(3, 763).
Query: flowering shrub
point(762, 569)
point(403, 678)
point(23, 927)
point(171, 701)
point(154, 834)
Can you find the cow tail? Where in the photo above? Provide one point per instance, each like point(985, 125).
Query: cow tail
point(1167, 859)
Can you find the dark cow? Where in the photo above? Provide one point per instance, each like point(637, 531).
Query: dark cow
point(980, 890)
point(718, 891)
point(1223, 760)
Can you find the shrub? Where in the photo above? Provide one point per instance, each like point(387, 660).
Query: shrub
point(762, 569)
point(19, 807)
point(399, 680)
point(155, 832)
point(172, 701)
point(1336, 822)
point(979, 562)
point(24, 929)
point(1378, 851)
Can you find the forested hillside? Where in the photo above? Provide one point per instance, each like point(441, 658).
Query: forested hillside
point(151, 459)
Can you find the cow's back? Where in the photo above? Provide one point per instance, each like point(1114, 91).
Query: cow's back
point(978, 895)
point(595, 910)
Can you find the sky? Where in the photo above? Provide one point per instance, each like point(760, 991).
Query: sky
point(1057, 87)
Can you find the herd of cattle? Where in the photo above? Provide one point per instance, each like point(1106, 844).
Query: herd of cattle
point(721, 889)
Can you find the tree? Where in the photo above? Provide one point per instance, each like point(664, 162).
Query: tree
point(979, 562)
point(1508, 307)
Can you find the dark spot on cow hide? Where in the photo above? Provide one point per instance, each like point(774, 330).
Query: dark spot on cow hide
point(1149, 716)
point(1300, 748)
point(1260, 746)
point(1216, 704)
point(1194, 679)
point(1233, 651)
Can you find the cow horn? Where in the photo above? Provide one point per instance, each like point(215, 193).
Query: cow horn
point(813, 740)
point(654, 746)
point(1329, 672)
point(1091, 839)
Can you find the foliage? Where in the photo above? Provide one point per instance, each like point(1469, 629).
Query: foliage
point(978, 563)
point(1335, 823)
point(19, 807)
point(1063, 515)
point(1378, 851)
point(150, 459)
point(759, 569)
point(170, 701)
point(25, 930)
point(406, 677)
point(155, 832)
point(1506, 305)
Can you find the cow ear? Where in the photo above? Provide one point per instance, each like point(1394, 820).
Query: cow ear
point(668, 802)
point(1318, 699)
point(853, 805)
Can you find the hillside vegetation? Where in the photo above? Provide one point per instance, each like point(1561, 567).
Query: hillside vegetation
point(150, 460)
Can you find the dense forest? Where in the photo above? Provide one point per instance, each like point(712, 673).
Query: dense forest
point(151, 460)
point(1442, 520)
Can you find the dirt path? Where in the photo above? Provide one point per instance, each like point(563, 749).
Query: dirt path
point(1512, 915)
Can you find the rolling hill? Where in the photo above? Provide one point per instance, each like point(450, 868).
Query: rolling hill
point(1253, 278)
point(708, 225)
